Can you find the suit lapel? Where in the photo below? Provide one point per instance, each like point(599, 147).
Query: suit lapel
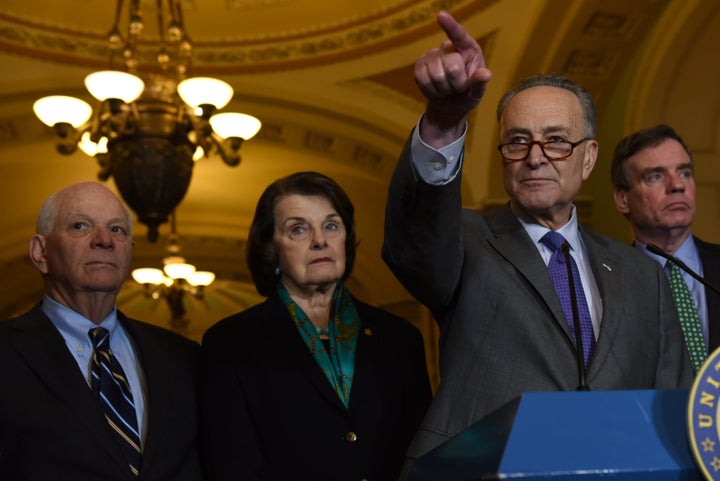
point(368, 361)
point(289, 344)
point(45, 351)
point(710, 258)
point(511, 241)
point(156, 380)
point(607, 271)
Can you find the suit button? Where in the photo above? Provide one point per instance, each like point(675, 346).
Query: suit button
point(351, 437)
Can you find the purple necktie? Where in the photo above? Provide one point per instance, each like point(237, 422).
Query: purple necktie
point(559, 275)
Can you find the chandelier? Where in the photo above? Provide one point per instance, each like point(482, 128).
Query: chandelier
point(174, 281)
point(147, 132)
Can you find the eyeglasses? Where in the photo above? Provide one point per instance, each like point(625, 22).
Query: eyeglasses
point(553, 150)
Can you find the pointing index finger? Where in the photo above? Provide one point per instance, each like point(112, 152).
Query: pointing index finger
point(460, 39)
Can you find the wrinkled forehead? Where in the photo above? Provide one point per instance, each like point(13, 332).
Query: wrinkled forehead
point(92, 202)
point(301, 206)
point(543, 109)
point(667, 155)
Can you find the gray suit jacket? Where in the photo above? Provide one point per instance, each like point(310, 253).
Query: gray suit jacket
point(502, 328)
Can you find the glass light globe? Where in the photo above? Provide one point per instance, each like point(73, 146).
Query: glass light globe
point(148, 275)
point(197, 91)
point(232, 124)
point(61, 108)
point(198, 154)
point(201, 278)
point(113, 84)
point(179, 270)
point(91, 148)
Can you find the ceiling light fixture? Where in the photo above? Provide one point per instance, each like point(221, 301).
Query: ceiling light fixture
point(176, 279)
point(147, 133)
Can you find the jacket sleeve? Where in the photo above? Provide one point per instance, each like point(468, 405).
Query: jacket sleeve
point(229, 444)
point(418, 394)
point(423, 235)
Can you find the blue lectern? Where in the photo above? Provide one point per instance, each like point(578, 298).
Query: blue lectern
point(603, 435)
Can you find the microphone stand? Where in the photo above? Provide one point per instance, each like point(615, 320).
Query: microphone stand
point(579, 350)
point(658, 251)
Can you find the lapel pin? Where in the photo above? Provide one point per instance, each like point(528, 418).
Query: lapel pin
point(368, 331)
point(607, 267)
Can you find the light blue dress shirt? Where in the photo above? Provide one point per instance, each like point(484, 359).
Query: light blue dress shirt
point(74, 328)
point(438, 167)
point(577, 250)
point(688, 253)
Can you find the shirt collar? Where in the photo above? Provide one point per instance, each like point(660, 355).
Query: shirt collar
point(569, 231)
point(687, 252)
point(73, 326)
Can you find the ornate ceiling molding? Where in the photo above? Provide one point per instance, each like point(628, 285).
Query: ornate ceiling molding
point(374, 33)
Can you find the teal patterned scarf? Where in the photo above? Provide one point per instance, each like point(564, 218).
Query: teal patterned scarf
point(339, 363)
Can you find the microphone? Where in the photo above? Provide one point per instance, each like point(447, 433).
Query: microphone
point(579, 350)
point(658, 251)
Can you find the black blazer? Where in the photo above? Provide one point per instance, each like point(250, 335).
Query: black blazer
point(710, 258)
point(269, 413)
point(53, 429)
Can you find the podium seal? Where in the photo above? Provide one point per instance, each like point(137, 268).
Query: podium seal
point(703, 419)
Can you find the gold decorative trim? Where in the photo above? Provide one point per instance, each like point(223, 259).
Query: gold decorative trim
point(323, 45)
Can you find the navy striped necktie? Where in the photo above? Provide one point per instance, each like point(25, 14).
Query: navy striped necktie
point(109, 383)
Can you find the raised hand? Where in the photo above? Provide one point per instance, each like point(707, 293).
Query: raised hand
point(453, 78)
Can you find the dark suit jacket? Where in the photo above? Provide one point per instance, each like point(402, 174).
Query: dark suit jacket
point(52, 428)
point(502, 328)
point(710, 258)
point(270, 414)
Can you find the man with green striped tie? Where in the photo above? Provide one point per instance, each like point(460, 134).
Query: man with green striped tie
point(653, 176)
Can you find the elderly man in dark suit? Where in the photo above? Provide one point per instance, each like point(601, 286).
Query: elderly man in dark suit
point(653, 176)
point(86, 393)
point(508, 321)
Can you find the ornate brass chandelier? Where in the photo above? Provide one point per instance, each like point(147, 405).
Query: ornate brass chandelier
point(147, 132)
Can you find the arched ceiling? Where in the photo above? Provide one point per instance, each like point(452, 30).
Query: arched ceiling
point(332, 84)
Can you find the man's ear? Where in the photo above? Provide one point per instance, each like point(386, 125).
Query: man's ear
point(589, 159)
point(37, 252)
point(621, 203)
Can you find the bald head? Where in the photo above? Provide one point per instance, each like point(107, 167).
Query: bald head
point(47, 216)
point(83, 248)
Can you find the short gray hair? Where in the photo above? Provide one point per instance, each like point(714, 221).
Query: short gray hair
point(560, 81)
point(46, 216)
